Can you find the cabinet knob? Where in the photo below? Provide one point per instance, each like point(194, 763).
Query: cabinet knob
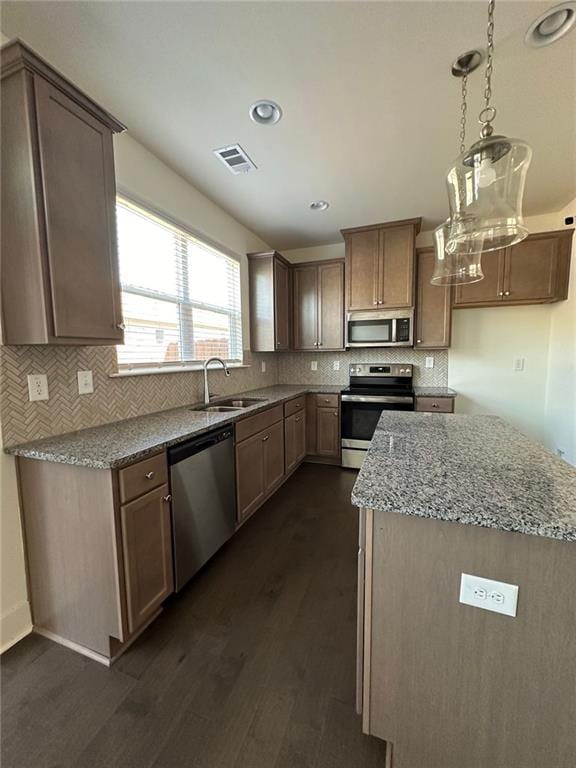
point(297, 418)
point(319, 343)
point(506, 293)
point(500, 293)
point(265, 438)
point(435, 405)
point(418, 341)
point(335, 413)
point(167, 498)
point(149, 475)
point(121, 326)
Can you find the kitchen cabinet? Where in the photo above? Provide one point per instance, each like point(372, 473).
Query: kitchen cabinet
point(380, 263)
point(259, 459)
point(295, 433)
point(60, 281)
point(319, 305)
point(535, 271)
point(323, 428)
point(99, 551)
point(433, 306)
point(270, 302)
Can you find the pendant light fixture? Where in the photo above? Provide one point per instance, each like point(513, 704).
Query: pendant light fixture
point(486, 183)
point(464, 266)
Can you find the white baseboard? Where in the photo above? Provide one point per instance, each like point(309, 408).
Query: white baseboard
point(14, 625)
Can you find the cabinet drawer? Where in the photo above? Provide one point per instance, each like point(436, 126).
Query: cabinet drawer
point(327, 401)
point(142, 477)
point(253, 424)
point(435, 404)
point(293, 406)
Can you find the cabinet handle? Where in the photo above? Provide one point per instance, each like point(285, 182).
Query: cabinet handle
point(319, 343)
point(149, 475)
point(506, 293)
point(418, 341)
point(435, 405)
point(121, 326)
point(265, 438)
point(277, 344)
point(167, 498)
point(500, 293)
point(335, 413)
point(374, 302)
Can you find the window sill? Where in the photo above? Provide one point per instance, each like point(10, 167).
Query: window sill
point(169, 369)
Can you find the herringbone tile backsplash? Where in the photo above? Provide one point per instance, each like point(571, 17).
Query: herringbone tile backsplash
point(117, 398)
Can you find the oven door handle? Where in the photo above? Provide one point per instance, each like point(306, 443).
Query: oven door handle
point(377, 399)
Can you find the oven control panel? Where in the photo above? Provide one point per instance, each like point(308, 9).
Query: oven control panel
point(373, 369)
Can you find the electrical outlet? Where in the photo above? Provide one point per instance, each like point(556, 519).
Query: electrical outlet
point(336, 365)
point(263, 366)
point(429, 362)
point(519, 364)
point(85, 382)
point(37, 386)
point(490, 595)
point(314, 365)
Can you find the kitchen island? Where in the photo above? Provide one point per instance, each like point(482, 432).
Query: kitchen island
point(449, 685)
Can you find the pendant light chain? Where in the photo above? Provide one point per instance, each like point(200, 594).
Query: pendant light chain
point(463, 109)
point(488, 114)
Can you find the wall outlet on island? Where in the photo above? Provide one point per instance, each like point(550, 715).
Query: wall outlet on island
point(314, 365)
point(490, 595)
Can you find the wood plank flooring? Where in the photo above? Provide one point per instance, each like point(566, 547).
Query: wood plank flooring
point(251, 666)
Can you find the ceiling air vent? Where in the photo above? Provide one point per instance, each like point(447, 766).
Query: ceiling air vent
point(235, 159)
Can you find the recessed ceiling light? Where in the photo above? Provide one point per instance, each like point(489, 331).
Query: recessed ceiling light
point(319, 205)
point(265, 112)
point(551, 25)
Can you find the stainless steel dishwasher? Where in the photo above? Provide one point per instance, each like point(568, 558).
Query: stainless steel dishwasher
point(203, 499)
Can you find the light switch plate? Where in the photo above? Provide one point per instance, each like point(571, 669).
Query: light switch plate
point(336, 365)
point(519, 364)
point(488, 594)
point(37, 386)
point(263, 366)
point(85, 383)
point(429, 362)
point(314, 365)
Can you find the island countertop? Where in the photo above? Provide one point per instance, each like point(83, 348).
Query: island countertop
point(476, 470)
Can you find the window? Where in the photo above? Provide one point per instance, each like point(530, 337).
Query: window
point(180, 296)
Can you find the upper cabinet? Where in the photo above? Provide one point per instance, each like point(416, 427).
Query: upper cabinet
point(433, 306)
point(535, 271)
point(270, 300)
point(319, 305)
point(60, 282)
point(380, 265)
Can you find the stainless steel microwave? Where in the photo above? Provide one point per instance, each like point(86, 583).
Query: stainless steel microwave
point(380, 329)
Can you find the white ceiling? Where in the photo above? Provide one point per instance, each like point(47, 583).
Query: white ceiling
point(370, 109)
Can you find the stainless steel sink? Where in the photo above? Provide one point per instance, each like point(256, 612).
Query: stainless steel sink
point(235, 404)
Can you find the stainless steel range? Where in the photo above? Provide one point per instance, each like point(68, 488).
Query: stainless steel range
point(373, 388)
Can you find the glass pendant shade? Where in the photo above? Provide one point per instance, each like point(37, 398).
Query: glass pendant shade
point(459, 268)
point(485, 191)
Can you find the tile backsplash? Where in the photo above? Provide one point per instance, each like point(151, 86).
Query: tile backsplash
point(117, 398)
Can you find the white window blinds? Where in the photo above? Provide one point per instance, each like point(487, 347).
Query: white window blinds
point(180, 296)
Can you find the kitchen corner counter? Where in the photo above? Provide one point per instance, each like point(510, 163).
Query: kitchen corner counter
point(476, 470)
point(115, 445)
point(435, 392)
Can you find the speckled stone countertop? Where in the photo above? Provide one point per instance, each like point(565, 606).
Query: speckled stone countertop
point(434, 392)
point(476, 470)
point(123, 442)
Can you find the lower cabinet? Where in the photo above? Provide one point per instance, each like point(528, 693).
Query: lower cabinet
point(259, 466)
point(99, 551)
point(323, 428)
point(295, 439)
point(147, 553)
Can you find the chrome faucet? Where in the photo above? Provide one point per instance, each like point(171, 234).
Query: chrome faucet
point(206, 364)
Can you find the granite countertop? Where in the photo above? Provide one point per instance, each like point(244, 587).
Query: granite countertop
point(123, 442)
point(476, 470)
point(434, 392)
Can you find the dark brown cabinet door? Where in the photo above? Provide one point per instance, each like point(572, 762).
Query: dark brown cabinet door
point(250, 475)
point(327, 432)
point(396, 288)
point(281, 304)
point(295, 439)
point(362, 269)
point(490, 290)
point(147, 554)
point(305, 307)
point(273, 442)
point(531, 269)
point(331, 306)
point(77, 164)
point(433, 307)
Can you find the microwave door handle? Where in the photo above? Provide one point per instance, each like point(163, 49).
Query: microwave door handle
point(394, 321)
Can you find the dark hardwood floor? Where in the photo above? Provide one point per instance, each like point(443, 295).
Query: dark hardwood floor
point(251, 666)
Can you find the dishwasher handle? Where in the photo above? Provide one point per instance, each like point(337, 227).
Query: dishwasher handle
point(184, 450)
